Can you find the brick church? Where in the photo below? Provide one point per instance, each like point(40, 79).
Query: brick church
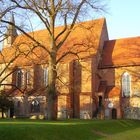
point(99, 79)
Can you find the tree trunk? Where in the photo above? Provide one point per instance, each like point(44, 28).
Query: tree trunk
point(51, 92)
point(2, 111)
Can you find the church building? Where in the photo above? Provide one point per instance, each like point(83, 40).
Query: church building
point(99, 78)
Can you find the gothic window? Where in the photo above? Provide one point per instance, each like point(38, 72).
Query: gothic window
point(28, 77)
point(126, 81)
point(46, 76)
point(35, 106)
point(19, 78)
point(18, 104)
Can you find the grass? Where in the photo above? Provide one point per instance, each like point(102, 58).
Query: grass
point(23, 129)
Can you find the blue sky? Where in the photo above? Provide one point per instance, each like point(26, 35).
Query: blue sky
point(123, 19)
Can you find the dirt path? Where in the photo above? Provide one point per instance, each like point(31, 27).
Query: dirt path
point(101, 133)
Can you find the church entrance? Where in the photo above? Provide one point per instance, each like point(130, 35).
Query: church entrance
point(114, 113)
point(100, 101)
point(11, 112)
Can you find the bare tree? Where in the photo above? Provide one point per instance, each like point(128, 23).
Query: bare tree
point(50, 13)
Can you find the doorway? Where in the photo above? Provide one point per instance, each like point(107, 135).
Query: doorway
point(11, 112)
point(100, 101)
point(114, 113)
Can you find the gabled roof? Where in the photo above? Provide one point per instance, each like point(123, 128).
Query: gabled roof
point(112, 91)
point(121, 52)
point(85, 33)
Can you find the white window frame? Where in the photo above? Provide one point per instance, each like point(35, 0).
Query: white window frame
point(28, 77)
point(125, 83)
point(17, 79)
point(46, 76)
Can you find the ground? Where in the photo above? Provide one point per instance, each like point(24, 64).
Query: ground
point(23, 129)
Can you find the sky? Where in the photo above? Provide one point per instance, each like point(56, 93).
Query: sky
point(123, 18)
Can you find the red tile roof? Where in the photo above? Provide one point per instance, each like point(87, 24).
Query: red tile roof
point(121, 52)
point(87, 33)
point(112, 91)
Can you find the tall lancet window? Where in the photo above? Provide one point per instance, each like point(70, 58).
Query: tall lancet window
point(45, 76)
point(28, 77)
point(19, 78)
point(126, 84)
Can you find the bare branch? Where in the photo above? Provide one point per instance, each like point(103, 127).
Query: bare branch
point(29, 36)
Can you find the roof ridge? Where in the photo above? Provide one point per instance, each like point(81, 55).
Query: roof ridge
point(125, 38)
point(60, 26)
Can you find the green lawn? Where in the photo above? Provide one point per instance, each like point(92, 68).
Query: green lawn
point(69, 130)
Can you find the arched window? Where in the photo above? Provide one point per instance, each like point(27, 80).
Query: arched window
point(18, 104)
point(46, 76)
point(19, 78)
point(28, 77)
point(126, 81)
point(35, 106)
